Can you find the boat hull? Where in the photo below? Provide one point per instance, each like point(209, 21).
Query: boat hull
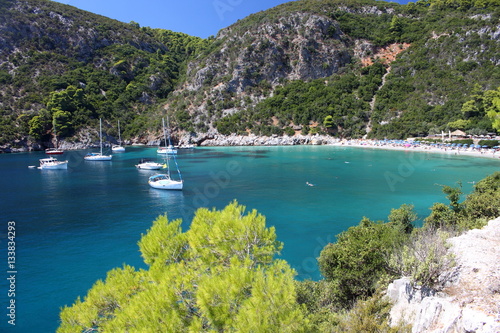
point(98, 157)
point(52, 151)
point(149, 166)
point(118, 149)
point(170, 150)
point(164, 182)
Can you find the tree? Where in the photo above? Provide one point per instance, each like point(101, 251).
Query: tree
point(492, 107)
point(62, 122)
point(404, 216)
point(358, 259)
point(220, 275)
point(453, 194)
point(328, 122)
point(37, 127)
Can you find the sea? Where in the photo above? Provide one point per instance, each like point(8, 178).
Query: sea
point(62, 230)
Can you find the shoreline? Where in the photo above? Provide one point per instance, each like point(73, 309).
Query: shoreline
point(455, 151)
point(217, 140)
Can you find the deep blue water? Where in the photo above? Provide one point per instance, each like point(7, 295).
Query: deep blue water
point(72, 226)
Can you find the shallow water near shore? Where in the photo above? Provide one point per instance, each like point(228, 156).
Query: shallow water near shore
point(72, 226)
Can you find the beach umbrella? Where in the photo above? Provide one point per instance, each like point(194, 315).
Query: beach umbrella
point(486, 147)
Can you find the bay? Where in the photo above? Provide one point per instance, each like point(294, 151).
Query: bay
point(72, 226)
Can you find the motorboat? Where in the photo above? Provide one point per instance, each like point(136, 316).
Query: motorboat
point(164, 182)
point(51, 163)
point(147, 164)
point(53, 151)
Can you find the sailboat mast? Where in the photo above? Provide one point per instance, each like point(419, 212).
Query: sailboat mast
point(100, 133)
point(119, 134)
point(55, 133)
point(164, 132)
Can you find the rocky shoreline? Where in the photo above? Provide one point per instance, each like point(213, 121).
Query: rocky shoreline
point(204, 139)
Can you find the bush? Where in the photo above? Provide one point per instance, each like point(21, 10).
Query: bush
point(358, 259)
point(424, 257)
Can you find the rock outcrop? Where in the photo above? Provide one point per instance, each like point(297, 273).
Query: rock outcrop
point(470, 298)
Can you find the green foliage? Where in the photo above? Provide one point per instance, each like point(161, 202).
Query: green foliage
point(404, 216)
point(220, 275)
point(128, 72)
point(479, 206)
point(442, 216)
point(36, 127)
point(302, 103)
point(492, 107)
point(453, 194)
point(115, 71)
point(370, 315)
point(357, 260)
point(488, 143)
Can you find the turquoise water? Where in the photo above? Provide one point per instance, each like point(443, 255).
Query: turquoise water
point(72, 226)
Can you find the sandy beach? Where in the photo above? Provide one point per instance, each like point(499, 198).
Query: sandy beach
point(422, 147)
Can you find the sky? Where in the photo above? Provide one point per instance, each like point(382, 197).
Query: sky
point(201, 18)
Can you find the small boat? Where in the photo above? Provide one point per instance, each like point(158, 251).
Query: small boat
point(164, 182)
point(53, 151)
point(169, 149)
point(118, 148)
point(147, 164)
point(51, 163)
point(187, 146)
point(98, 156)
point(56, 150)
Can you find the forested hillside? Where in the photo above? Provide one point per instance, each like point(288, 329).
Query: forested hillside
point(69, 67)
point(347, 68)
point(371, 67)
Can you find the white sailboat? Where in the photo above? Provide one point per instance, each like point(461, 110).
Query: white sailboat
point(169, 149)
point(165, 181)
point(98, 156)
point(56, 150)
point(118, 148)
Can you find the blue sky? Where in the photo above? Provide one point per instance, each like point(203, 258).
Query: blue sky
point(200, 18)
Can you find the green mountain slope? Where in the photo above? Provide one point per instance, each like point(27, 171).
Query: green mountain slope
point(370, 68)
point(314, 57)
point(60, 64)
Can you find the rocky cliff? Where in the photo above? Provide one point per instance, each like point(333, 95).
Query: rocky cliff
point(247, 64)
point(470, 298)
